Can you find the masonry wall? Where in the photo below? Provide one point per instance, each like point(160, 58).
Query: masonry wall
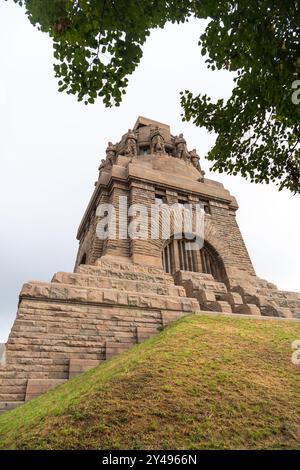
point(221, 228)
point(227, 238)
point(80, 319)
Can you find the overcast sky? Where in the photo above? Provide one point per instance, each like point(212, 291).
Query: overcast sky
point(51, 146)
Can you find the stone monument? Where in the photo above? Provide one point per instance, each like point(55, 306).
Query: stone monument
point(126, 288)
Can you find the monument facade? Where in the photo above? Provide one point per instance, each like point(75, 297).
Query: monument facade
point(137, 268)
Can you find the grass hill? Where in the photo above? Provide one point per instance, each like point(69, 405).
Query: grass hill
point(205, 382)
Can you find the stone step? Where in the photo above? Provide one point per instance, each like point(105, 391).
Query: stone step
point(270, 303)
point(247, 309)
point(15, 363)
point(75, 349)
point(285, 300)
point(199, 282)
point(113, 348)
point(112, 262)
point(9, 405)
point(253, 299)
point(65, 292)
point(128, 285)
point(294, 307)
point(13, 382)
point(142, 274)
point(54, 313)
point(217, 306)
point(36, 387)
point(5, 397)
point(143, 333)
point(65, 327)
point(12, 389)
point(267, 303)
point(78, 366)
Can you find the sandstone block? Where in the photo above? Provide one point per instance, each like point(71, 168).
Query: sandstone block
point(248, 309)
point(173, 304)
point(204, 296)
point(144, 333)
point(95, 295)
point(77, 366)
point(110, 296)
point(37, 386)
point(114, 348)
point(159, 303)
point(233, 298)
point(170, 316)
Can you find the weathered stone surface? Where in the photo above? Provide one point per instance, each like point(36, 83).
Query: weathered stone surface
point(233, 298)
point(64, 329)
point(37, 386)
point(205, 296)
point(248, 309)
point(144, 333)
point(77, 366)
point(169, 317)
point(114, 347)
point(9, 405)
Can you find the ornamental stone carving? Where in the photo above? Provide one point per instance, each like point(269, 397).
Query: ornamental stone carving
point(157, 143)
point(111, 153)
point(102, 165)
point(195, 161)
point(131, 146)
point(181, 148)
point(110, 159)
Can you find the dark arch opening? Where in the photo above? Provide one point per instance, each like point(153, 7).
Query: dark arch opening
point(177, 255)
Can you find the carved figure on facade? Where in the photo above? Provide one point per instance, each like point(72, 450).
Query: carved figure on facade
point(107, 163)
point(102, 165)
point(181, 148)
point(157, 142)
point(195, 161)
point(130, 145)
point(111, 153)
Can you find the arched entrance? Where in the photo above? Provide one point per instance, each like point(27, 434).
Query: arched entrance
point(177, 255)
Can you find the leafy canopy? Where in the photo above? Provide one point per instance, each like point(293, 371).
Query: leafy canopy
point(98, 44)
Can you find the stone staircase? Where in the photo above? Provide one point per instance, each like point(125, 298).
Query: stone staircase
point(250, 296)
point(80, 319)
point(289, 300)
point(269, 300)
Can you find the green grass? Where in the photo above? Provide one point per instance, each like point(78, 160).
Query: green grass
point(205, 382)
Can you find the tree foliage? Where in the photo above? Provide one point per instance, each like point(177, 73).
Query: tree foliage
point(98, 44)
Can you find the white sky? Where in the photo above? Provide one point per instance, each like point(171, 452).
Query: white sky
point(51, 146)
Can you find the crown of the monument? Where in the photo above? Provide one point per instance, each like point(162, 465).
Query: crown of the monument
point(149, 137)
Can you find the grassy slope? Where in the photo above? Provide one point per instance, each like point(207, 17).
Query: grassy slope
point(204, 382)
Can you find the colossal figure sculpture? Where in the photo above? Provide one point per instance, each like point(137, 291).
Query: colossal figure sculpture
point(195, 161)
point(157, 142)
point(130, 148)
point(181, 149)
point(111, 153)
